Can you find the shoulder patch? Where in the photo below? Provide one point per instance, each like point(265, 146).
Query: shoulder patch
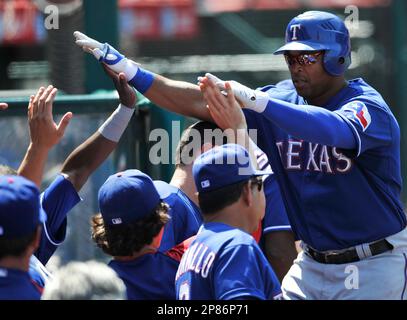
point(359, 112)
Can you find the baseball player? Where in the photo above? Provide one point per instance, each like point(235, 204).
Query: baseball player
point(21, 217)
point(224, 262)
point(277, 239)
point(129, 228)
point(185, 98)
point(186, 218)
point(180, 192)
point(335, 148)
point(62, 194)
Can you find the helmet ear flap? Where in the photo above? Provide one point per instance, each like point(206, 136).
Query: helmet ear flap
point(334, 65)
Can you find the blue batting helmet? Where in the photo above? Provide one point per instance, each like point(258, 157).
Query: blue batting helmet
point(318, 30)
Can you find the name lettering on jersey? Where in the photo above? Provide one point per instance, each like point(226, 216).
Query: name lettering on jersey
point(359, 112)
point(311, 157)
point(324, 160)
point(294, 29)
point(197, 259)
point(299, 155)
point(293, 155)
point(262, 160)
point(280, 148)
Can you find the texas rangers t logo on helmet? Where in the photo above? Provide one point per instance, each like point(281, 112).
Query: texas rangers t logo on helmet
point(294, 29)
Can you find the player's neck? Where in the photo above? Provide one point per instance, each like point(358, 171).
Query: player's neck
point(143, 251)
point(183, 180)
point(335, 86)
point(232, 215)
point(20, 263)
point(151, 248)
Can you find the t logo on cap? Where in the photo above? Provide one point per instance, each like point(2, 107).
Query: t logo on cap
point(294, 29)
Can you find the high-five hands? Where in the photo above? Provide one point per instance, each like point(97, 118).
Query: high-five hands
point(225, 110)
point(44, 132)
point(105, 53)
point(247, 98)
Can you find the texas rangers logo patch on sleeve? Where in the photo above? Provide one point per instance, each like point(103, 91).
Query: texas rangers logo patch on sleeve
point(360, 113)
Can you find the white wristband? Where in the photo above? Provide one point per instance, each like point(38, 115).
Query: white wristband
point(259, 102)
point(115, 125)
point(252, 99)
point(129, 67)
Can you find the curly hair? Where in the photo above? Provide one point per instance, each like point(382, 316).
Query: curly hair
point(125, 240)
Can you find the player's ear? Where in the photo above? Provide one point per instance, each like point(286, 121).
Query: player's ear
point(33, 246)
point(157, 239)
point(247, 195)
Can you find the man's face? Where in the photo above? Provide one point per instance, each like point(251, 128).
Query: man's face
point(259, 198)
point(307, 72)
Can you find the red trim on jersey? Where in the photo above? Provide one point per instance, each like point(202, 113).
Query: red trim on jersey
point(37, 286)
point(257, 234)
point(177, 251)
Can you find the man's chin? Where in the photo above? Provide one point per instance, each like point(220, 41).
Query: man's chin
point(302, 92)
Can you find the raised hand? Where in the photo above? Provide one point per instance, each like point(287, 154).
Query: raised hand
point(105, 53)
point(224, 110)
point(247, 98)
point(44, 132)
point(3, 106)
point(127, 95)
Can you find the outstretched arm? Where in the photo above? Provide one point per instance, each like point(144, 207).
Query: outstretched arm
point(176, 96)
point(86, 158)
point(310, 123)
point(44, 133)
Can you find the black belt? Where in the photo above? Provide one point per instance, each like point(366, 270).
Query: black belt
point(347, 256)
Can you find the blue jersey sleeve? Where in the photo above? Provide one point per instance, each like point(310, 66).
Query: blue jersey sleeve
point(275, 218)
point(185, 216)
point(254, 278)
point(188, 225)
point(57, 200)
point(310, 123)
point(370, 124)
point(38, 272)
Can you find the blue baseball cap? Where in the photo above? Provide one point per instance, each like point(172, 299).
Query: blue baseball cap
point(20, 208)
point(222, 166)
point(126, 197)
